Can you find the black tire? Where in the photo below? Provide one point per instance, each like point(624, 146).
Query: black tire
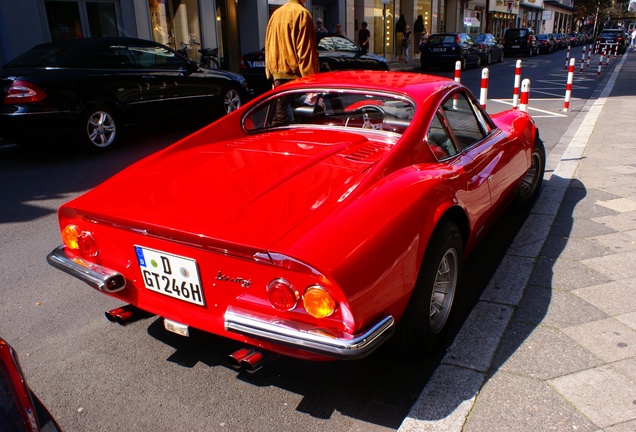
point(488, 58)
point(533, 178)
point(478, 62)
point(424, 323)
point(99, 129)
point(464, 62)
point(231, 100)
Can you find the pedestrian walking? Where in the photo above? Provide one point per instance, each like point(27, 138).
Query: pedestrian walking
point(290, 47)
point(320, 28)
point(633, 36)
point(338, 30)
point(406, 42)
point(364, 36)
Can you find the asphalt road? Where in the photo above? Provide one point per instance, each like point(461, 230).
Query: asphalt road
point(97, 376)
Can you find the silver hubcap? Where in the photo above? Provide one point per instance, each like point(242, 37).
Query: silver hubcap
point(532, 177)
point(232, 101)
point(443, 290)
point(101, 129)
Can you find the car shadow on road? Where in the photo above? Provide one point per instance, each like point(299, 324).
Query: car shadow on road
point(379, 389)
point(512, 322)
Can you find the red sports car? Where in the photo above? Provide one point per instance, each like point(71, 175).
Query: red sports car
point(317, 221)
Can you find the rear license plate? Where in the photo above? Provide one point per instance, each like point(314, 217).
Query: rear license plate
point(439, 49)
point(171, 275)
point(516, 46)
point(258, 64)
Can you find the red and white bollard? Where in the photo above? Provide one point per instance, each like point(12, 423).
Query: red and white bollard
point(608, 54)
point(567, 58)
point(458, 72)
point(568, 86)
point(583, 59)
point(616, 50)
point(483, 94)
point(515, 94)
point(525, 95)
point(600, 64)
point(589, 54)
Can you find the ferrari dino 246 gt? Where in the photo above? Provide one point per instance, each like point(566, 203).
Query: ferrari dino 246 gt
point(318, 221)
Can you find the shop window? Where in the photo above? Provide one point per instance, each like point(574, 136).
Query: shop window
point(176, 23)
point(71, 19)
point(64, 20)
point(102, 19)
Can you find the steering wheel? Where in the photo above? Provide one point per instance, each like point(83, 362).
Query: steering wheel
point(366, 117)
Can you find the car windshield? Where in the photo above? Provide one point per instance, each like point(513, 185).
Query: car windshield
point(335, 43)
point(38, 57)
point(325, 108)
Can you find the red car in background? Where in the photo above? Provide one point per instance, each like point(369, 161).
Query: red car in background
point(317, 221)
point(20, 409)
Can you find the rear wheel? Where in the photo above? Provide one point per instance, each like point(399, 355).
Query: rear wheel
point(423, 325)
point(488, 58)
point(231, 99)
point(533, 178)
point(99, 128)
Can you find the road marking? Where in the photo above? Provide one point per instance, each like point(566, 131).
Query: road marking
point(548, 114)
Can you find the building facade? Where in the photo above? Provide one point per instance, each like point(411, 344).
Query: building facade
point(238, 26)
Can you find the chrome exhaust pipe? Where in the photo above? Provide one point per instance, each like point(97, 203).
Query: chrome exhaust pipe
point(126, 314)
point(256, 360)
point(238, 356)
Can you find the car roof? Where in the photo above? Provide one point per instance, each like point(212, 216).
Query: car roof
point(72, 52)
point(414, 85)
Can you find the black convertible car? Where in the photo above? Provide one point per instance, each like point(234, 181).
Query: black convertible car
point(335, 52)
point(85, 90)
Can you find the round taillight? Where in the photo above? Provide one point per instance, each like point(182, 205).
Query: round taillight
point(282, 295)
point(87, 245)
point(318, 302)
point(70, 234)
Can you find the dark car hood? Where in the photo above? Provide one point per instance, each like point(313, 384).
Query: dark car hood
point(250, 191)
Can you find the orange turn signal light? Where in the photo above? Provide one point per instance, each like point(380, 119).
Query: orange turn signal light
point(318, 302)
point(70, 234)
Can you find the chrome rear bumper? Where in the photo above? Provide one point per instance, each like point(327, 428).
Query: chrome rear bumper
point(95, 275)
point(305, 337)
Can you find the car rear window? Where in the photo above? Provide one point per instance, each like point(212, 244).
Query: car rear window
point(441, 39)
point(37, 57)
point(335, 109)
point(517, 33)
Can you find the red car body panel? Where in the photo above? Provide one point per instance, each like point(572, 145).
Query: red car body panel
point(351, 210)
